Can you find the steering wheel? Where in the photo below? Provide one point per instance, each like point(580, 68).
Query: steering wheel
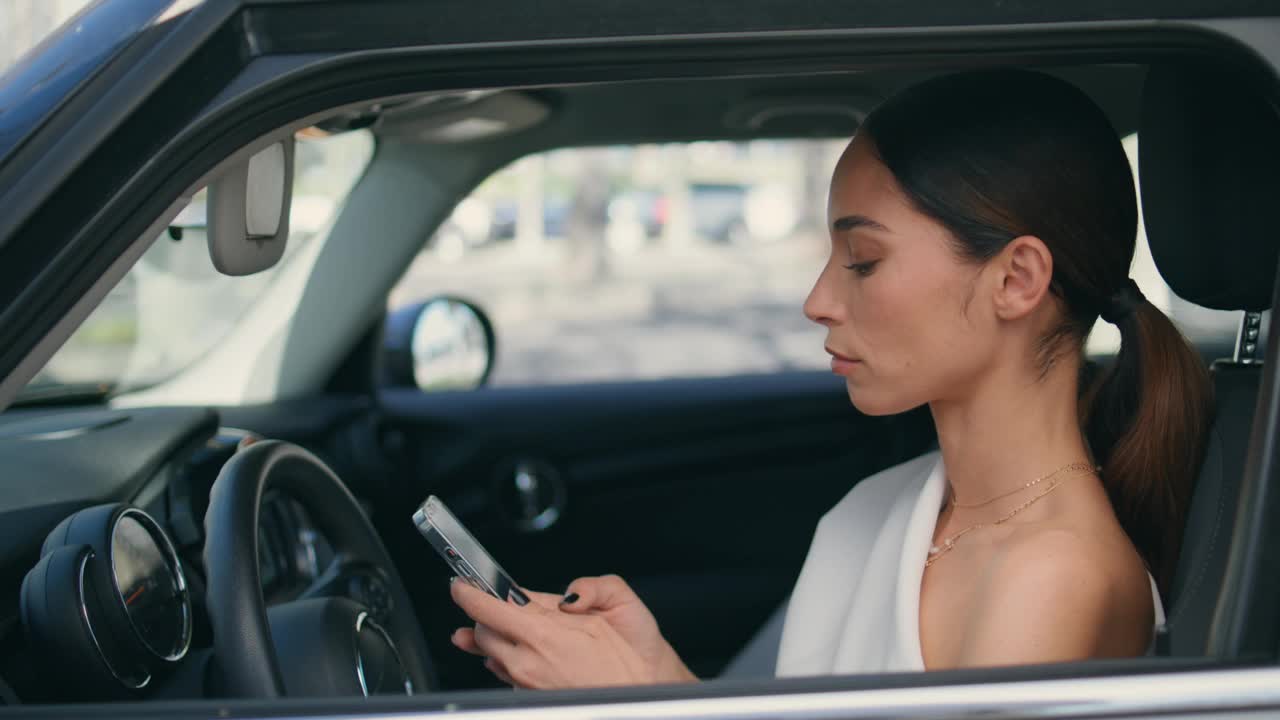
point(329, 645)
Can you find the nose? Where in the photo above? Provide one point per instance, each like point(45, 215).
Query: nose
point(820, 306)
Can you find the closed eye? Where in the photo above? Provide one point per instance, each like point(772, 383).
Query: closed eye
point(863, 269)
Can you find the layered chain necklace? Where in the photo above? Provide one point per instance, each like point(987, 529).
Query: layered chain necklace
point(937, 552)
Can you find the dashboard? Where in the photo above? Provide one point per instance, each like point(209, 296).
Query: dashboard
point(101, 538)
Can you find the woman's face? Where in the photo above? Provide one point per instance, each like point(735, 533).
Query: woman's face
point(903, 312)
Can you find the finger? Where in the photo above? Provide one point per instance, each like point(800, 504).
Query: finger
point(549, 601)
point(498, 670)
point(465, 640)
point(508, 619)
point(494, 645)
point(499, 650)
point(596, 593)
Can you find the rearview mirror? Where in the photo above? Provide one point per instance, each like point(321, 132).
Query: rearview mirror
point(444, 343)
point(248, 210)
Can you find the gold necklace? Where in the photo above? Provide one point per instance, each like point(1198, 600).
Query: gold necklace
point(937, 552)
point(1076, 466)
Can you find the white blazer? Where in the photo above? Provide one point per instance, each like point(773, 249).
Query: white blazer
point(856, 606)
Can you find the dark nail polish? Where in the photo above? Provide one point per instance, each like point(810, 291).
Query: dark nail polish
point(517, 596)
point(570, 599)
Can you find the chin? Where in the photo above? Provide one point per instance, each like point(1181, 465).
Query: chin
point(871, 402)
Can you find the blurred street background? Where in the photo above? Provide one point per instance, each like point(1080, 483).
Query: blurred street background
point(642, 261)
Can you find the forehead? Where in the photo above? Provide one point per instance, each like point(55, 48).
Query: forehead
point(861, 184)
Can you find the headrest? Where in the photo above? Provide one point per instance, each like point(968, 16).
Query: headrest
point(1209, 170)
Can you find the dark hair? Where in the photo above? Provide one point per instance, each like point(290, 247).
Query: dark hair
point(997, 154)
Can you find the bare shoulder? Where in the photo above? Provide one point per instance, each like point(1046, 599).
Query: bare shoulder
point(1078, 568)
point(1056, 594)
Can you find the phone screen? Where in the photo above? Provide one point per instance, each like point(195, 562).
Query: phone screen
point(468, 558)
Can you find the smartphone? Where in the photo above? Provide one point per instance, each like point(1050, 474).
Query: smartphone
point(468, 558)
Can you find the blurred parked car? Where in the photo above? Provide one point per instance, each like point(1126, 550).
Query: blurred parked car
point(718, 211)
point(555, 213)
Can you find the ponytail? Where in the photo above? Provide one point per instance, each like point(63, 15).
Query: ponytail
point(996, 154)
point(1145, 422)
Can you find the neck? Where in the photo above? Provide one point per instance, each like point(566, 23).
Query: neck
point(1010, 427)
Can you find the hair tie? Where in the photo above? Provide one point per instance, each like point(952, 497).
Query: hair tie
point(1122, 302)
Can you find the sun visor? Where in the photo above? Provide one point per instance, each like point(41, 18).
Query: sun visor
point(248, 210)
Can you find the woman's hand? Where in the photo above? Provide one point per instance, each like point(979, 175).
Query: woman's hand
point(543, 645)
point(613, 599)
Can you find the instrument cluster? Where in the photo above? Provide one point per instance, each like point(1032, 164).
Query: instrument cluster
point(109, 599)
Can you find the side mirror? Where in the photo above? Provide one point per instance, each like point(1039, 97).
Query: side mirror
point(443, 343)
point(248, 210)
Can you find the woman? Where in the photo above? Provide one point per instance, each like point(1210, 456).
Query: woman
point(979, 224)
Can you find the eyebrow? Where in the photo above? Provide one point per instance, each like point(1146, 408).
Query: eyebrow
point(853, 222)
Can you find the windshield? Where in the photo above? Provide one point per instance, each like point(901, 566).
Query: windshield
point(173, 306)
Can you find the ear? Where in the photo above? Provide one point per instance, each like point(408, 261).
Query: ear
point(1025, 269)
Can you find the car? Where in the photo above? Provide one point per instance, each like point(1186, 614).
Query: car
point(644, 208)
point(719, 211)
point(209, 473)
point(554, 214)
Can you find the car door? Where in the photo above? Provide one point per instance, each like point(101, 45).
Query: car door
point(702, 494)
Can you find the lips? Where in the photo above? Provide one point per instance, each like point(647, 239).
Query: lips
point(842, 358)
point(842, 364)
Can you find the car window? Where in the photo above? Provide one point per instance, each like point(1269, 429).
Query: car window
point(678, 260)
point(640, 262)
point(173, 306)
